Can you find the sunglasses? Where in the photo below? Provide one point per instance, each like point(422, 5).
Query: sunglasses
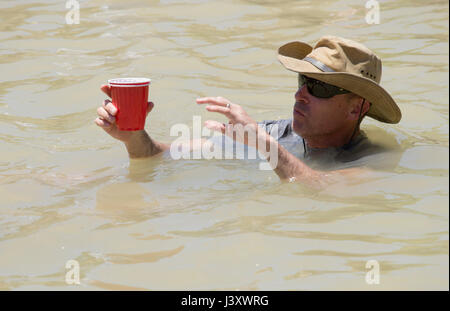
point(318, 88)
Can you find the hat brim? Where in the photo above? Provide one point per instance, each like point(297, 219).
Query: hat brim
point(383, 109)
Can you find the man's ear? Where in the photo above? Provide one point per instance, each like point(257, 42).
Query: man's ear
point(366, 106)
point(355, 106)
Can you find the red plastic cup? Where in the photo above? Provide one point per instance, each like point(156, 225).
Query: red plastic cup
point(129, 96)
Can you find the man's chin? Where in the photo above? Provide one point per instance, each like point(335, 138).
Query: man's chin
point(297, 127)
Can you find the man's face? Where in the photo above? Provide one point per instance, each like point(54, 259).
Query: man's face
point(313, 116)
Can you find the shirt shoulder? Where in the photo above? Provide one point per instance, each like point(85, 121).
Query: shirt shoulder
point(282, 131)
point(277, 128)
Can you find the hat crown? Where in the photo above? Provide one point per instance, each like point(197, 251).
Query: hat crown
point(344, 55)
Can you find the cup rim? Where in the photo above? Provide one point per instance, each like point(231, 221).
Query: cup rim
point(129, 82)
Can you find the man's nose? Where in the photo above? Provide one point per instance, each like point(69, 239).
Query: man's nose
point(301, 93)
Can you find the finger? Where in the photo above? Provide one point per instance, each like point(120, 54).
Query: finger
point(102, 113)
point(219, 109)
point(106, 89)
point(219, 101)
point(109, 107)
point(215, 126)
point(106, 102)
point(102, 123)
point(150, 107)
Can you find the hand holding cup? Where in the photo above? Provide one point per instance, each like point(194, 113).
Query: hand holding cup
point(107, 116)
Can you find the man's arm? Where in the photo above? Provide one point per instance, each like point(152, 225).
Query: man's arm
point(287, 166)
point(141, 145)
point(290, 168)
point(138, 143)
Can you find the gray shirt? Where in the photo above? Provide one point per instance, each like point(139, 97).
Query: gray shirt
point(320, 158)
point(356, 153)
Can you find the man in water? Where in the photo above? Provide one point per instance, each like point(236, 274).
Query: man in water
point(338, 86)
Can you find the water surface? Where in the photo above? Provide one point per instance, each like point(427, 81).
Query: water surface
point(68, 190)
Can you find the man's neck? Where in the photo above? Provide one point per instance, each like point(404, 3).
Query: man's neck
point(335, 140)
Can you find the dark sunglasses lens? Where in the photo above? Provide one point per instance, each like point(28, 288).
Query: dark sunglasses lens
point(318, 88)
point(301, 80)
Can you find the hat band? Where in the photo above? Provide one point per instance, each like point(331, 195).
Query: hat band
point(318, 64)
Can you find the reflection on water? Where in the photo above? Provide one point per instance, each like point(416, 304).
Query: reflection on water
point(68, 191)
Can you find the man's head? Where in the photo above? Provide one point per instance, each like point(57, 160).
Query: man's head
point(344, 65)
point(324, 111)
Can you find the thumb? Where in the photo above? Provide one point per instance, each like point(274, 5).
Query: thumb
point(150, 107)
point(106, 89)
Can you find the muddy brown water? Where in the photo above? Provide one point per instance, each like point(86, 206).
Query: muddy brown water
point(69, 192)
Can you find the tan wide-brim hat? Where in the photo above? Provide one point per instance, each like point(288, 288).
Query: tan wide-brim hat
point(347, 64)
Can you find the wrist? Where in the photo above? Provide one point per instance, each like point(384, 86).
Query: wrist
point(138, 144)
point(134, 136)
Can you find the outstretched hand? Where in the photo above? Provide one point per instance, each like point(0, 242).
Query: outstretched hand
point(239, 121)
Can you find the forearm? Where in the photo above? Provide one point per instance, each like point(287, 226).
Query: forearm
point(290, 167)
point(286, 165)
point(141, 145)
